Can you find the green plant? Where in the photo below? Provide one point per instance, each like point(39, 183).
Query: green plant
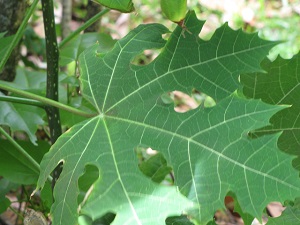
point(205, 153)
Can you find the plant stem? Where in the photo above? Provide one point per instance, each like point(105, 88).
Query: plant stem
point(22, 151)
point(16, 212)
point(47, 101)
point(25, 101)
point(52, 54)
point(18, 35)
point(83, 27)
point(52, 78)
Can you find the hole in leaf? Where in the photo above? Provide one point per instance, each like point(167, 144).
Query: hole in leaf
point(275, 209)
point(166, 36)
point(230, 205)
point(85, 182)
point(108, 218)
point(202, 98)
point(184, 102)
point(154, 165)
point(145, 57)
point(228, 215)
point(233, 212)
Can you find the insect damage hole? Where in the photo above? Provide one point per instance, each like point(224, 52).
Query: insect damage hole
point(86, 181)
point(184, 102)
point(145, 57)
point(153, 165)
point(86, 184)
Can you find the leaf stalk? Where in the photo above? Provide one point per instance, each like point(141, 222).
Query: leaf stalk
point(47, 101)
point(25, 101)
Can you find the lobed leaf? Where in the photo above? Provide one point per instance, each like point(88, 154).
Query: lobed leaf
point(208, 149)
point(279, 85)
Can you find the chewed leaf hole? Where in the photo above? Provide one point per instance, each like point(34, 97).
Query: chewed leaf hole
point(145, 57)
point(154, 165)
point(108, 218)
point(184, 102)
point(85, 182)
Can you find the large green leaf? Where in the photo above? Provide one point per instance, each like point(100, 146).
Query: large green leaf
point(280, 85)
point(208, 149)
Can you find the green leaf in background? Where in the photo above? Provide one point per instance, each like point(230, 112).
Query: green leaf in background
point(290, 216)
point(280, 85)
point(33, 42)
point(21, 118)
point(4, 203)
point(71, 51)
point(15, 167)
point(208, 148)
point(125, 6)
point(4, 44)
point(29, 79)
point(5, 187)
point(35, 82)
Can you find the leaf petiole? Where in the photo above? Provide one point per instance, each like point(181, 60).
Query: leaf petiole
point(47, 101)
point(25, 101)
